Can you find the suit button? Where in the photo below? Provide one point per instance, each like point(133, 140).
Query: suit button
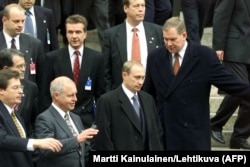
point(83, 107)
point(185, 124)
point(184, 102)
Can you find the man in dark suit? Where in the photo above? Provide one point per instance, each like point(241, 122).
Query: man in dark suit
point(62, 62)
point(126, 123)
point(43, 23)
point(158, 11)
point(15, 148)
point(230, 35)
point(13, 18)
point(195, 14)
point(179, 76)
point(58, 122)
point(117, 44)
point(28, 108)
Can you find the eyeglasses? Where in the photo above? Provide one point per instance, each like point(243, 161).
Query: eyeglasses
point(20, 66)
point(16, 87)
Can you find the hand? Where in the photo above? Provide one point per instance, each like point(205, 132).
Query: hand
point(48, 144)
point(220, 54)
point(87, 134)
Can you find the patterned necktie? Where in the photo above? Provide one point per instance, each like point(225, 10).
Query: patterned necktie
point(28, 27)
point(136, 106)
point(13, 45)
point(176, 65)
point(76, 68)
point(136, 54)
point(18, 126)
point(66, 118)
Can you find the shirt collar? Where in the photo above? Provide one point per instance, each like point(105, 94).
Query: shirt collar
point(128, 92)
point(9, 38)
point(31, 10)
point(182, 51)
point(139, 26)
point(60, 111)
point(72, 50)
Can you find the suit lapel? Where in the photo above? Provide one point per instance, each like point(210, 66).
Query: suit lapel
point(25, 48)
point(9, 119)
point(189, 61)
point(86, 65)
point(60, 121)
point(40, 22)
point(65, 63)
point(128, 109)
point(121, 40)
point(150, 37)
point(2, 41)
point(164, 66)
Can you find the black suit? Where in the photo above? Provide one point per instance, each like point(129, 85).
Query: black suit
point(10, 140)
point(231, 34)
point(51, 124)
point(32, 49)
point(118, 125)
point(28, 108)
point(114, 50)
point(57, 63)
point(46, 28)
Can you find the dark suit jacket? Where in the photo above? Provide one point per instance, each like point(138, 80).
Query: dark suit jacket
point(55, 5)
point(13, 148)
point(114, 50)
point(31, 48)
point(51, 124)
point(231, 30)
point(28, 108)
point(46, 28)
point(57, 63)
point(118, 125)
point(183, 101)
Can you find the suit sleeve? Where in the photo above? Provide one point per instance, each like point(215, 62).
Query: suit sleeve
point(221, 21)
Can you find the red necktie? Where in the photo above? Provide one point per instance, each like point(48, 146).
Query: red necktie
point(176, 65)
point(136, 55)
point(76, 68)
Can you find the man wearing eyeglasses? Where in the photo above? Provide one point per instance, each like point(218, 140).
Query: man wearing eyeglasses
point(28, 108)
point(15, 147)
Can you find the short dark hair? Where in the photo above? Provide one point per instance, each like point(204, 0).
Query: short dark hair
point(6, 56)
point(7, 75)
point(127, 2)
point(74, 19)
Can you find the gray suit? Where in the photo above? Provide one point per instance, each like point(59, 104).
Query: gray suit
point(31, 48)
point(51, 124)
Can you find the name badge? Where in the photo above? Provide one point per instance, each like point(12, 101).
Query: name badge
point(32, 68)
point(88, 84)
